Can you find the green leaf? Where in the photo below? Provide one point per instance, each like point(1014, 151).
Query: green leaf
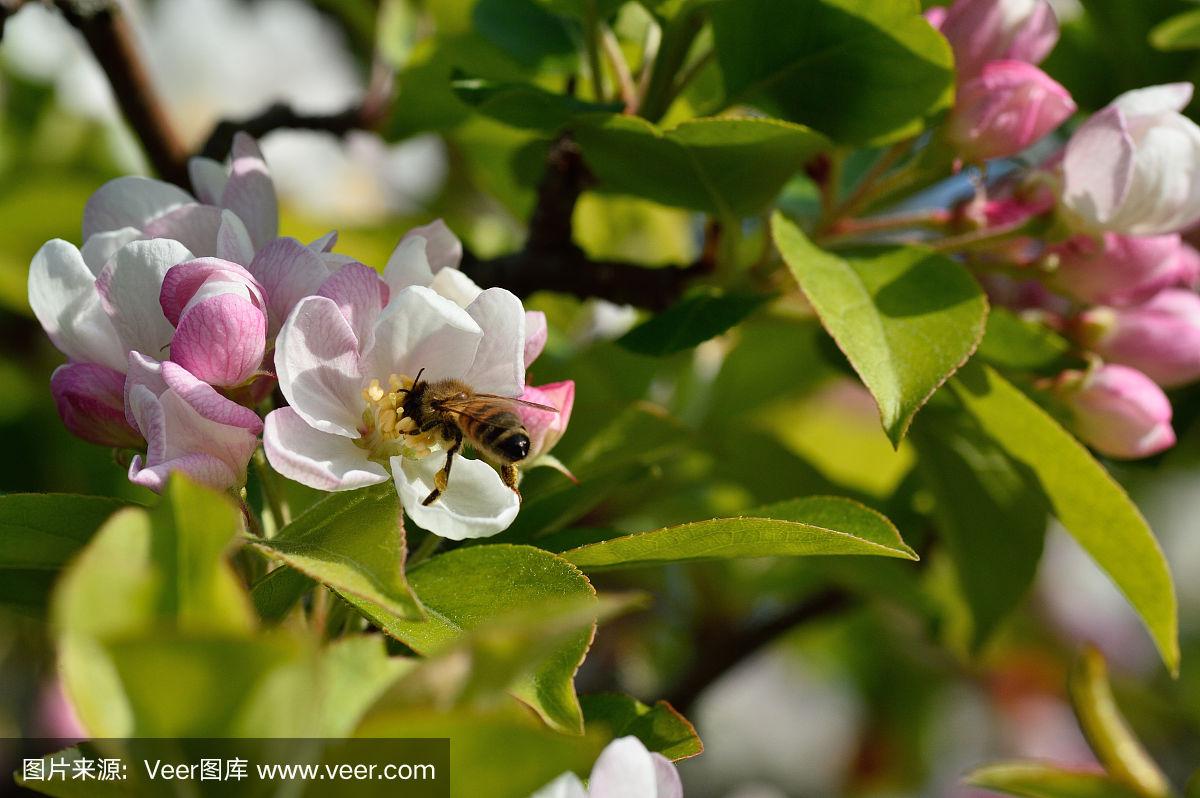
point(990, 515)
point(464, 589)
point(39, 533)
point(1180, 32)
point(145, 574)
point(1082, 495)
point(1011, 342)
point(660, 728)
point(357, 671)
point(703, 315)
point(581, 9)
point(818, 525)
point(352, 541)
point(1037, 780)
point(498, 755)
point(275, 594)
point(906, 318)
point(729, 167)
point(218, 686)
point(860, 71)
point(1115, 745)
point(524, 105)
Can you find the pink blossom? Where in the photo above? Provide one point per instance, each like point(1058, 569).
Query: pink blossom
point(981, 31)
point(546, 428)
point(1160, 337)
point(91, 403)
point(1007, 108)
point(1118, 411)
point(188, 427)
point(1120, 269)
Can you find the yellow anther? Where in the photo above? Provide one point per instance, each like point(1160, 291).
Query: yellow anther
point(387, 421)
point(405, 425)
point(397, 382)
point(374, 391)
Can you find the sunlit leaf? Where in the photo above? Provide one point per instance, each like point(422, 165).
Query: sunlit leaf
point(1088, 502)
point(819, 525)
point(1038, 780)
point(906, 318)
point(660, 728)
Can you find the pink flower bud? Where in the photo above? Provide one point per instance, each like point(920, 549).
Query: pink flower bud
point(1118, 411)
point(1160, 337)
point(1119, 270)
point(91, 403)
point(1134, 167)
point(545, 428)
point(1007, 108)
point(981, 31)
point(188, 427)
point(220, 317)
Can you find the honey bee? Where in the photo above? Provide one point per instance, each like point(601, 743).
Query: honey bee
point(458, 414)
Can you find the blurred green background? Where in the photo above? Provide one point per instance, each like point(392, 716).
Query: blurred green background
point(876, 701)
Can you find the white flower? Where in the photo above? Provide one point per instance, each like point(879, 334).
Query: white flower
point(1134, 167)
point(343, 363)
point(625, 769)
point(430, 256)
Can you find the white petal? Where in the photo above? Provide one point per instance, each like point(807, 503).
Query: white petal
point(193, 225)
point(233, 242)
point(359, 294)
point(208, 179)
point(99, 248)
point(421, 330)
point(1098, 168)
point(475, 504)
point(456, 286)
point(249, 192)
point(129, 290)
point(145, 372)
point(666, 778)
point(62, 293)
point(130, 202)
point(408, 265)
point(499, 365)
point(442, 248)
point(314, 458)
point(567, 785)
point(1154, 99)
point(317, 362)
point(1164, 195)
point(624, 770)
point(325, 243)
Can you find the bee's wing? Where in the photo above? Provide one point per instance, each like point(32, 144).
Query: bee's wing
point(457, 406)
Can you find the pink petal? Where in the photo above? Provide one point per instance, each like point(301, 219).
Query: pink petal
point(288, 271)
point(193, 225)
point(360, 295)
point(443, 250)
point(208, 179)
point(185, 279)
point(207, 403)
point(250, 193)
point(91, 403)
point(233, 240)
point(1098, 167)
point(536, 332)
point(318, 459)
point(318, 365)
point(221, 340)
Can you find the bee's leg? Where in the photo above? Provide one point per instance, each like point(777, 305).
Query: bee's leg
point(508, 473)
point(442, 477)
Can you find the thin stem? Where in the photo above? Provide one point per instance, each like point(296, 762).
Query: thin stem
point(855, 228)
point(320, 609)
point(425, 550)
point(978, 239)
point(672, 53)
point(649, 54)
point(867, 189)
point(276, 502)
point(249, 517)
point(591, 39)
point(620, 67)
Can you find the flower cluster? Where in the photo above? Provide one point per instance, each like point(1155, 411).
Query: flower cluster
point(181, 314)
point(1095, 230)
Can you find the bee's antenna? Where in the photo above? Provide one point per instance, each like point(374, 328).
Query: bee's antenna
point(417, 379)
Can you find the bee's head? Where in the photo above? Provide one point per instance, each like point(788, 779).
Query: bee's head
point(514, 447)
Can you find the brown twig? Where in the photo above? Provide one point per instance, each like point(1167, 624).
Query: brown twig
point(114, 45)
point(366, 115)
point(723, 648)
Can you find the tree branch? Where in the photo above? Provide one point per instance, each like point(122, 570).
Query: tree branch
point(725, 648)
point(112, 42)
